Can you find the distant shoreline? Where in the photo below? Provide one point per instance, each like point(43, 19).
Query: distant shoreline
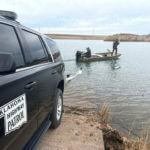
point(121, 37)
point(76, 37)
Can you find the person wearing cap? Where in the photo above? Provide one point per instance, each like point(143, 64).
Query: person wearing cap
point(115, 46)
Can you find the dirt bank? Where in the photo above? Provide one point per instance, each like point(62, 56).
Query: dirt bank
point(79, 130)
point(87, 129)
point(113, 140)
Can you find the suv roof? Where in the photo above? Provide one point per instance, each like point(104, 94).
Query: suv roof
point(3, 19)
point(11, 21)
point(8, 14)
point(15, 23)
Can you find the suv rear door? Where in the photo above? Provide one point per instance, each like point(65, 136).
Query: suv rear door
point(44, 73)
point(15, 96)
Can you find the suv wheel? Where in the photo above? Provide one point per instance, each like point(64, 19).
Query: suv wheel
point(57, 110)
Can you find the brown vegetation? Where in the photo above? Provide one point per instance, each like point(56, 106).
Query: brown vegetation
point(82, 128)
point(113, 140)
point(104, 113)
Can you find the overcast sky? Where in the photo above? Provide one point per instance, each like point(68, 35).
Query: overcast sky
point(83, 16)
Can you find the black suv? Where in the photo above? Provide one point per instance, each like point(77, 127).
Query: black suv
point(31, 84)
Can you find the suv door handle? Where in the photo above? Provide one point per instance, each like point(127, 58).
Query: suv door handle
point(54, 72)
point(30, 85)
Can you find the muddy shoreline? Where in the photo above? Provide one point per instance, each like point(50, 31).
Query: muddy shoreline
point(87, 128)
point(112, 138)
point(79, 130)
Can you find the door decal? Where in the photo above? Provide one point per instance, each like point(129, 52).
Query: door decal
point(14, 113)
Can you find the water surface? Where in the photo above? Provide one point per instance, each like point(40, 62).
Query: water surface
point(126, 89)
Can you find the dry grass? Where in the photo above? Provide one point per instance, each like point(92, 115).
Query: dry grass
point(112, 138)
point(140, 143)
point(104, 113)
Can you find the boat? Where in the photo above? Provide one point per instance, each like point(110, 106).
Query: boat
point(96, 57)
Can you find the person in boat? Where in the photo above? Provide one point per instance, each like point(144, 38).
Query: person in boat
point(88, 53)
point(115, 46)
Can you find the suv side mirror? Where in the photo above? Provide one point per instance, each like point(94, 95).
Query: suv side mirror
point(7, 63)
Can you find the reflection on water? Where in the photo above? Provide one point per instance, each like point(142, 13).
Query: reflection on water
point(114, 65)
point(123, 83)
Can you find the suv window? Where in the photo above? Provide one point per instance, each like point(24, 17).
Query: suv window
point(54, 49)
point(9, 43)
point(35, 47)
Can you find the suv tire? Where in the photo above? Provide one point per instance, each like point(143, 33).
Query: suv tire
point(57, 109)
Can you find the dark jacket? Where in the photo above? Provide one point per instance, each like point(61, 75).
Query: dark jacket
point(115, 44)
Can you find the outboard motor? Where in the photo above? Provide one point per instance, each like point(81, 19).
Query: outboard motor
point(78, 55)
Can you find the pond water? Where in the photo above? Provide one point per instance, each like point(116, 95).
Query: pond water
point(126, 89)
